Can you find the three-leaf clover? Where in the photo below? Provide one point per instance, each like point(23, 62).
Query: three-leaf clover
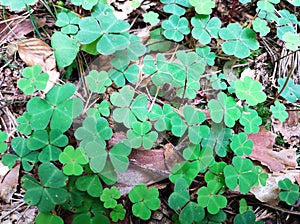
point(17, 4)
point(261, 26)
point(175, 28)
point(241, 173)
point(241, 145)
point(98, 81)
point(48, 218)
point(224, 108)
point(290, 192)
point(267, 5)
point(151, 17)
point(144, 201)
point(118, 155)
point(203, 7)
point(205, 27)
point(210, 197)
point(109, 197)
point(49, 192)
point(250, 120)
point(68, 21)
point(279, 111)
point(120, 74)
point(117, 213)
point(57, 108)
point(73, 160)
point(292, 40)
point(180, 196)
point(87, 5)
point(238, 41)
point(33, 78)
point(91, 184)
point(140, 135)
point(102, 108)
point(250, 90)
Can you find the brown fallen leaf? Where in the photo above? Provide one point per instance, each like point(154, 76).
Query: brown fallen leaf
point(263, 151)
point(34, 51)
point(8, 182)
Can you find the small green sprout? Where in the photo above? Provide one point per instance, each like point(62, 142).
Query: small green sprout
point(279, 111)
point(175, 28)
point(33, 79)
point(73, 160)
point(117, 213)
point(109, 197)
point(290, 192)
point(144, 201)
point(261, 26)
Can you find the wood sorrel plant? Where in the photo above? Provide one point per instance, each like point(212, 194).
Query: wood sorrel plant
point(151, 99)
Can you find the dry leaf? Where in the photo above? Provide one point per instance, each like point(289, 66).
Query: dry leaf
point(263, 151)
point(34, 51)
point(8, 182)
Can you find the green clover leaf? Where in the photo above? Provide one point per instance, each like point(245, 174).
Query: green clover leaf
point(206, 55)
point(118, 213)
point(192, 212)
point(48, 218)
point(49, 192)
point(250, 120)
point(73, 160)
point(290, 92)
point(205, 27)
point(240, 145)
point(162, 116)
point(238, 41)
point(186, 170)
point(87, 5)
point(33, 78)
point(98, 81)
point(250, 90)
point(203, 7)
point(120, 75)
point(3, 145)
point(91, 184)
point(241, 173)
point(178, 126)
point(102, 109)
point(17, 4)
point(118, 155)
point(290, 192)
point(247, 217)
point(175, 28)
point(210, 197)
point(65, 49)
point(175, 6)
point(224, 108)
point(261, 26)
point(279, 111)
point(68, 21)
point(27, 157)
point(151, 17)
point(24, 124)
point(180, 196)
point(292, 41)
point(109, 197)
point(267, 5)
point(144, 201)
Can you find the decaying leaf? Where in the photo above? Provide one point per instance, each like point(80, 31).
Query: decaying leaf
point(263, 151)
point(8, 182)
point(34, 51)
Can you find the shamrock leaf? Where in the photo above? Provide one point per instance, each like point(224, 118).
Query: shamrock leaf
point(24, 124)
point(224, 109)
point(205, 28)
point(279, 111)
point(261, 26)
point(192, 212)
point(89, 183)
point(162, 116)
point(250, 120)
point(68, 21)
point(17, 4)
point(240, 145)
point(144, 201)
point(175, 28)
point(178, 126)
point(180, 196)
point(118, 213)
point(98, 81)
point(151, 17)
point(206, 55)
point(267, 5)
point(250, 90)
point(186, 170)
point(33, 78)
point(203, 7)
point(87, 5)
point(210, 197)
point(118, 155)
point(120, 75)
point(292, 41)
point(290, 92)
point(290, 193)
point(99, 109)
point(109, 197)
point(238, 41)
point(73, 160)
point(47, 193)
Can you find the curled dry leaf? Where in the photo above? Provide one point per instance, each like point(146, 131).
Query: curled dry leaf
point(8, 182)
point(263, 151)
point(34, 51)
